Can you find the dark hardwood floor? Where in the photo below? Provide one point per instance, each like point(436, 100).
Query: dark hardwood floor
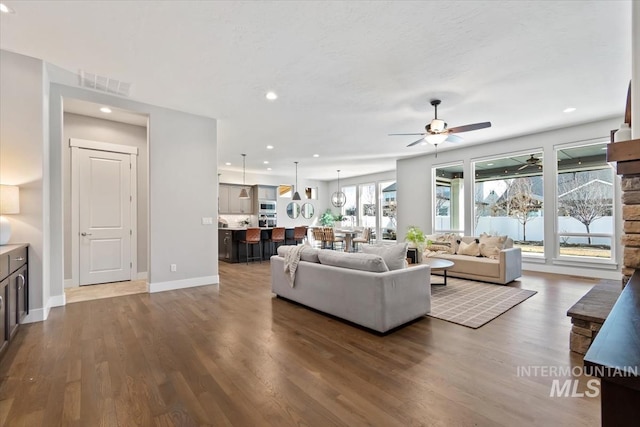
point(235, 355)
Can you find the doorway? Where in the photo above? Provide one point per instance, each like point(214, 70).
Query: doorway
point(103, 213)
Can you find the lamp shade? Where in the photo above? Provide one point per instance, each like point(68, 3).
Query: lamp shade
point(437, 138)
point(244, 194)
point(9, 199)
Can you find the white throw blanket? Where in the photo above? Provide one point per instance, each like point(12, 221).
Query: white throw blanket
point(291, 260)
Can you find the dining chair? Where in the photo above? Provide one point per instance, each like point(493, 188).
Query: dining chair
point(331, 239)
point(318, 236)
point(252, 237)
point(365, 238)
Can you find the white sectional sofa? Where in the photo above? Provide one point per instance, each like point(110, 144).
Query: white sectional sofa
point(378, 300)
point(505, 268)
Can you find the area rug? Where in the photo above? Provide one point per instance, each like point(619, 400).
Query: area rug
point(473, 304)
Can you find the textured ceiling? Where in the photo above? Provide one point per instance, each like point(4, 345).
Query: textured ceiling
point(347, 73)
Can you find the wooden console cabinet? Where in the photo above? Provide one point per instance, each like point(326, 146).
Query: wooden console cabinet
point(14, 291)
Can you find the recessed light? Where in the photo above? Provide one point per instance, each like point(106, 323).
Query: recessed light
point(228, 163)
point(269, 147)
point(316, 155)
point(569, 110)
point(268, 169)
point(266, 162)
point(105, 110)
point(6, 9)
point(489, 164)
point(271, 96)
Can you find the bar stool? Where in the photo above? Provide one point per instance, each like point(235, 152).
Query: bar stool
point(277, 236)
point(299, 234)
point(252, 237)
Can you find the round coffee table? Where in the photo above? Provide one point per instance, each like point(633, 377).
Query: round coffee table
point(439, 264)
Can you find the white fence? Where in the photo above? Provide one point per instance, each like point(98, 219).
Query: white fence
point(502, 225)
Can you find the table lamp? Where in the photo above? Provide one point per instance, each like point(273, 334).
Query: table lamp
point(9, 204)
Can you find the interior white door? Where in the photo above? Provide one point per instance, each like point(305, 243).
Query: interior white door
point(104, 217)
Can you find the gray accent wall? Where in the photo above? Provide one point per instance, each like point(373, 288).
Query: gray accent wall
point(22, 155)
point(182, 179)
point(93, 129)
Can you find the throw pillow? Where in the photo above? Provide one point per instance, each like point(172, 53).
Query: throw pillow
point(489, 252)
point(471, 249)
point(394, 255)
point(489, 244)
point(364, 262)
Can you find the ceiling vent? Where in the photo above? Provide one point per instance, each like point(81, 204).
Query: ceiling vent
point(104, 84)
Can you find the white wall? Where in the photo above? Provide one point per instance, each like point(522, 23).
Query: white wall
point(94, 129)
point(22, 154)
point(414, 186)
point(319, 205)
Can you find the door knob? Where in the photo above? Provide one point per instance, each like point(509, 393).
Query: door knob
point(85, 234)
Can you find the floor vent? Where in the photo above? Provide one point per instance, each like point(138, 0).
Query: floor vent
point(104, 84)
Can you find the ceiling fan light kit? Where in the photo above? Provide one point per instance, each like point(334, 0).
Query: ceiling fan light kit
point(437, 138)
point(437, 131)
point(338, 198)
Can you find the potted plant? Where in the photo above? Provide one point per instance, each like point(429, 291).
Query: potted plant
point(327, 219)
point(416, 238)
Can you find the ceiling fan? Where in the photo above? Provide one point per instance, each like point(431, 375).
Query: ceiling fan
point(437, 130)
point(531, 161)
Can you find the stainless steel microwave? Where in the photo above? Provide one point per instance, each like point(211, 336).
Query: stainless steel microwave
point(267, 206)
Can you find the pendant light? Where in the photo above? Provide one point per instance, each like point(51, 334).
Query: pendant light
point(296, 195)
point(338, 199)
point(243, 193)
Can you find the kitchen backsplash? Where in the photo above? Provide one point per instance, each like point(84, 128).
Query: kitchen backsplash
point(237, 220)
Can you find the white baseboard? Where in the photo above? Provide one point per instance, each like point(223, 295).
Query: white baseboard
point(142, 275)
point(184, 283)
point(592, 273)
point(41, 314)
point(68, 283)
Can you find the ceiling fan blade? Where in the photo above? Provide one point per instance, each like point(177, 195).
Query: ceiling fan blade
point(405, 134)
point(522, 167)
point(454, 138)
point(467, 128)
point(416, 142)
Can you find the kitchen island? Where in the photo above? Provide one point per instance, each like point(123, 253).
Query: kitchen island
point(231, 250)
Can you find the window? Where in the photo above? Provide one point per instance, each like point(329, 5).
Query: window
point(388, 210)
point(311, 193)
point(367, 207)
point(285, 191)
point(448, 199)
point(508, 199)
point(349, 210)
point(585, 202)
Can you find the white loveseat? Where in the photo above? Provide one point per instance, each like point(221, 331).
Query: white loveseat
point(505, 268)
point(376, 300)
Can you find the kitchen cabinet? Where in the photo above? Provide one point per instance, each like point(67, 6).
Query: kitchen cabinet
point(223, 199)
point(267, 192)
point(229, 201)
point(14, 291)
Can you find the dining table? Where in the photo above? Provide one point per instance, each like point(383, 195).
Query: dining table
point(348, 234)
